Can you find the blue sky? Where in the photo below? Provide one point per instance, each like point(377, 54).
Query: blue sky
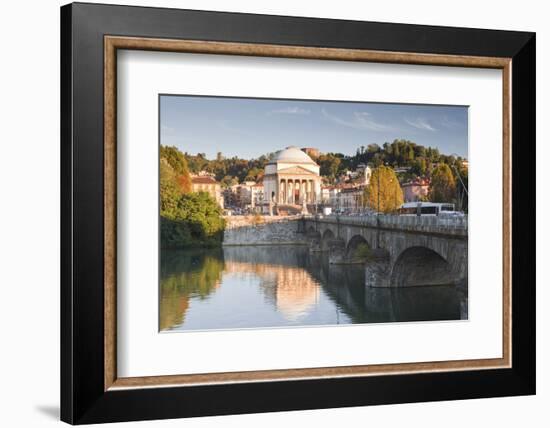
point(249, 127)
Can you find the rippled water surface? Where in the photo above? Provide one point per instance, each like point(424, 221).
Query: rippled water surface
point(277, 286)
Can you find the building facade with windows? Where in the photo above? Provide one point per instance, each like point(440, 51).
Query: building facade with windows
point(416, 190)
point(206, 183)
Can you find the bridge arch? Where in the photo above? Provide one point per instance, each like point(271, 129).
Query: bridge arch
point(314, 238)
point(419, 265)
point(358, 249)
point(312, 233)
point(328, 236)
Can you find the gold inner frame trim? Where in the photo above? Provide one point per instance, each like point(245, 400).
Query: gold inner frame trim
point(113, 43)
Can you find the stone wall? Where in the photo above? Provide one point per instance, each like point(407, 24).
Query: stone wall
point(264, 230)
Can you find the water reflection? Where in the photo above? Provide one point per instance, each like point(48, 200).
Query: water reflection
point(274, 286)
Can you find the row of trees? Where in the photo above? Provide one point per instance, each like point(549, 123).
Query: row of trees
point(229, 171)
point(186, 218)
point(384, 193)
point(399, 153)
point(418, 159)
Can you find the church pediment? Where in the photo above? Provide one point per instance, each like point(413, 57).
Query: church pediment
point(296, 170)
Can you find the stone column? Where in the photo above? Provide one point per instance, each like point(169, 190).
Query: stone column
point(288, 190)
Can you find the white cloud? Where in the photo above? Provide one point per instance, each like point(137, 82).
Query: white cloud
point(290, 110)
point(451, 123)
point(420, 123)
point(359, 120)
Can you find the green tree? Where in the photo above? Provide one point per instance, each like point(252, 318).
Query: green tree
point(254, 174)
point(443, 185)
point(195, 220)
point(202, 213)
point(419, 167)
point(170, 191)
point(329, 165)
point(229, 181)
point(384, 192)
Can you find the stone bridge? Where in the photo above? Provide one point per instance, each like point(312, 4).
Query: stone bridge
point(396, 250)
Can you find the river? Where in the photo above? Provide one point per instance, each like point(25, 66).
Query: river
point(283, 286)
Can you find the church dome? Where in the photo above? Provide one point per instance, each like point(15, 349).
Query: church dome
point(292, 154)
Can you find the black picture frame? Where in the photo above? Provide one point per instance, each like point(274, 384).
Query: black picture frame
point(83, 398)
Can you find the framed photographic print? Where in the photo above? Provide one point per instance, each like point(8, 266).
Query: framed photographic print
point(265, 213)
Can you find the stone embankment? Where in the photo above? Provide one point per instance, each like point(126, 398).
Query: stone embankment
point(264, 230)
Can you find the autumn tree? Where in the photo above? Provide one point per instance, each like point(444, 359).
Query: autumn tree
point(443, 185)
point(461, 174)
point(384, 192)
point(176, 160)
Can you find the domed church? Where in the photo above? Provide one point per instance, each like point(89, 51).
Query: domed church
point(292, 178)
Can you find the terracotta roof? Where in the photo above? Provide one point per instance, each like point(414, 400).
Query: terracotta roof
point(416, 183)
point(203, 180)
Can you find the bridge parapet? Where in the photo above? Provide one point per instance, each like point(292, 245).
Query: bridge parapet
point(428, 224)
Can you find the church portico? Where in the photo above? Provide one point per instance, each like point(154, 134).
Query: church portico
point(292, 178)
point(295, 191)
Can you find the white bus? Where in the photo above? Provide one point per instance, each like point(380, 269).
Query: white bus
point(426, 208)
